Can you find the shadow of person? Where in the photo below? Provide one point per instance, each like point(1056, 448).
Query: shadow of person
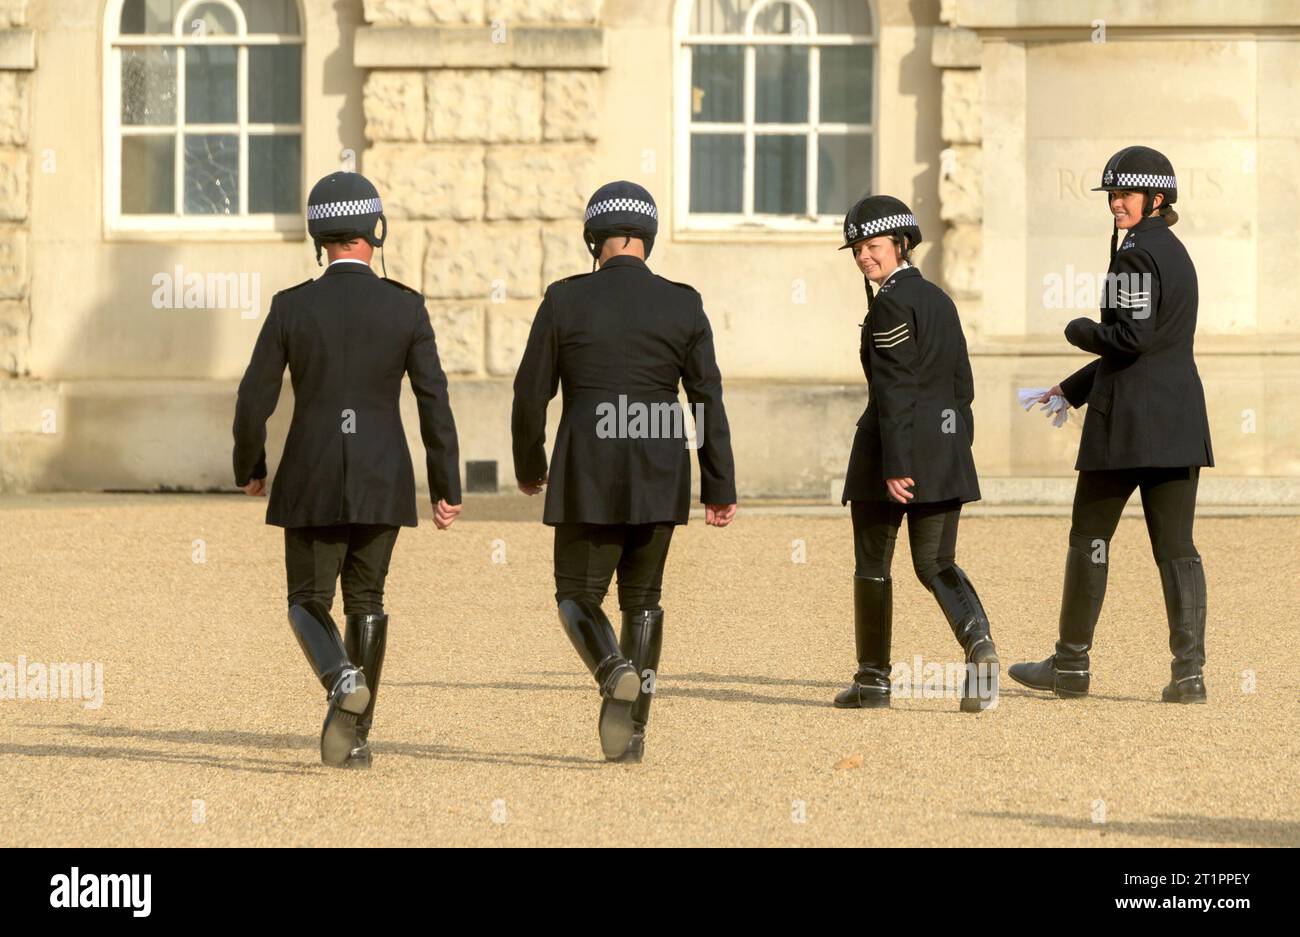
point(279, 741)
point(155, 756)
point(1222, 830)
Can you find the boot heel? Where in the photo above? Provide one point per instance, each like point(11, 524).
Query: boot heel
point(1071, 689)
point(627, 686)
point(351, 693)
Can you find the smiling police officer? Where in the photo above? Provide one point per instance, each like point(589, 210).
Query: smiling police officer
point(1146, 429)
point(345, 485)
point(911, 455)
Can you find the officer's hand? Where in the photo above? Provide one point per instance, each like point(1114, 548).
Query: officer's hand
point(898, 489)
point(255, 488)
point(1054, 392)
point(719, 515)
point(533, 488)
point(444, 514)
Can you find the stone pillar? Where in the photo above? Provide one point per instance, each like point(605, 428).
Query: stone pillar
point(481, 122)
point(17, 59)
point(957, 52)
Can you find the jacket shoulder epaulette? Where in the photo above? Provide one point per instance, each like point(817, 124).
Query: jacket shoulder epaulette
point(685, 286)
point(298, 286)
point(400, 285)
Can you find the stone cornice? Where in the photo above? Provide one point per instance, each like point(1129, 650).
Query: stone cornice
point(1124, 14)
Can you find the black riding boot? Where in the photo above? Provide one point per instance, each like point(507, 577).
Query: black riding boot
point(593, 637)
point(873, 621)
point(641, 641)
point(961, 605)
point(345, 685)
point(1066, 672)
point(366, 639)
point(1184, 586)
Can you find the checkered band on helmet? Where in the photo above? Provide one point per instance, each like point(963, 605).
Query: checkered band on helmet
point(866, 229)
point(344, 209)
point(1145, 180)
point(621, 204)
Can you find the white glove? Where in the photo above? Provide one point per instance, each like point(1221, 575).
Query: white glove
point(1056, 407)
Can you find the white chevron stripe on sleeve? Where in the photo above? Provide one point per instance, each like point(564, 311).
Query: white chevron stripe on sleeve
point(892, 342)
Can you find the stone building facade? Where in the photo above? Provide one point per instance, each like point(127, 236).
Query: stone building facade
point(486, 124)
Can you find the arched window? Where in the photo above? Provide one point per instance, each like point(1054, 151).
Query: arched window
point(203, 115)
point(775, 111)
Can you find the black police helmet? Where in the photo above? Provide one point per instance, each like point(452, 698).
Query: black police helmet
point(620, 209)
point(345, 205)
point(1140, 169)
point(880, 214)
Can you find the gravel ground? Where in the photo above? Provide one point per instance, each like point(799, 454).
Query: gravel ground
point(485, 729)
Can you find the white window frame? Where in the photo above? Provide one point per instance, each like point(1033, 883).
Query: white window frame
point(749, 221)
point(277, 226)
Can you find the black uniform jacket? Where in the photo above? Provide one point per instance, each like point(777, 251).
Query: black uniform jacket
point(1146, 405)
point(618, 341)
point(918, 423)
point(347, 337)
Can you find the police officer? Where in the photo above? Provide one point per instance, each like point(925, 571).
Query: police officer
point(1146, 429)
point(911, 455)
point(345, 483)
point(618, 340)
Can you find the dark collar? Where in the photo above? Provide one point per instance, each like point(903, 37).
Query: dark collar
point(899, 275)
point(624, 260)
point(333, 269)
point(1154, 222)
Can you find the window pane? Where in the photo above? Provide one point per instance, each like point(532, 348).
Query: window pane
point(843, 171)
point(275, 173)
point(148, 16)
point(149, 86)
point(271, 16)
point(148, 171)
point(781, 19)
point(781, 85)
point(717, 171)
point(275, 84)
point(211, 174)
point(780, 171)
point(717, 83)
point(846, 84)
point(209, 19)
point(210, 85)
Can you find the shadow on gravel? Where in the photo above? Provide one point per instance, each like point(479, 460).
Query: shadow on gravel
point(1010, 689)
point(235, 738)
point(1243, 831)
point(108, 753)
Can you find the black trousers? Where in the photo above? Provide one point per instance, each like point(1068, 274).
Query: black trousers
point(314, 557)
point(1168, 504)
point(931, 533)
point(587, 556)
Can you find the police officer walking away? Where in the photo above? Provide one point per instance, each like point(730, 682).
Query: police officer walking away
point(1146, 428)
point(911, 455)
point(618, 340)
point(345, 483)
